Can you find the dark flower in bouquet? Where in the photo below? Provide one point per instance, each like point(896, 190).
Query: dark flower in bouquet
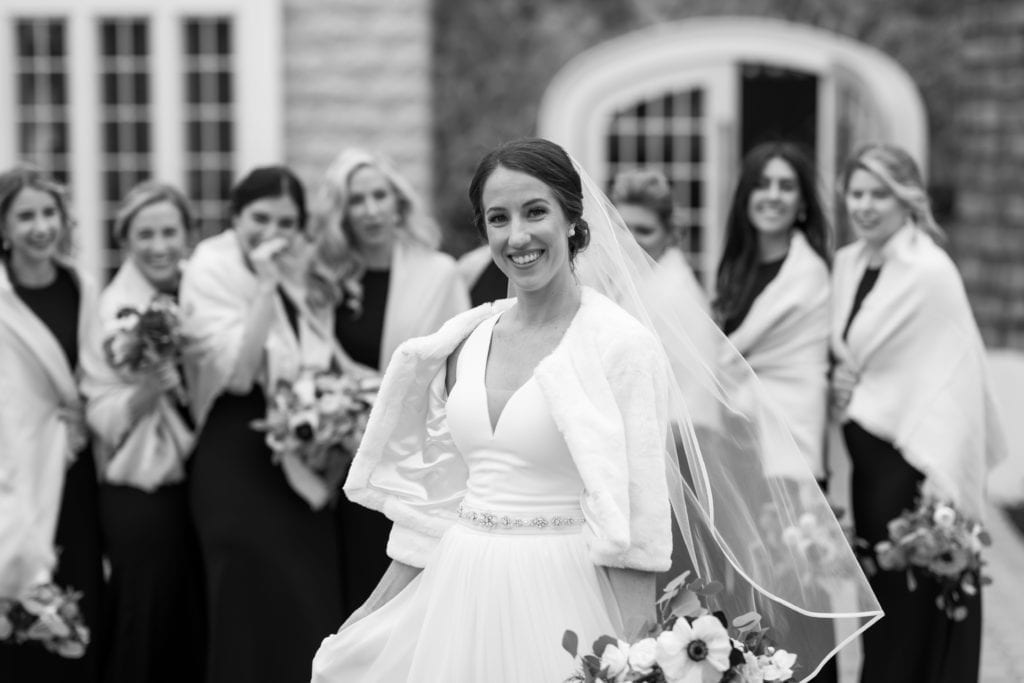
point(142, 339)
point(937, 539)
point(686, 644)
point(46, 615)
point(320, 418)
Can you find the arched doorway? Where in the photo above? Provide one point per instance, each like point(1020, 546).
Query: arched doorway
point(690, 97)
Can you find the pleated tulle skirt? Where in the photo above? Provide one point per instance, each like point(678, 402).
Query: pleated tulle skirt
point(491, 606)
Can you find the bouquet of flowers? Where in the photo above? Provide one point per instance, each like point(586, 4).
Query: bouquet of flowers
point(143, 339)
point(936, 538)
point(48, 616)
point(821, 548)
point(686, 644)
point(320, 418)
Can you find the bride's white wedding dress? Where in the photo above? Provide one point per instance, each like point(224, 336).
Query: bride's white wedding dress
point(506, 581)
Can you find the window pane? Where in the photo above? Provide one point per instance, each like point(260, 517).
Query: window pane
point(126, 109)
point(666, 132)
point(209, 124)
point(41, 112)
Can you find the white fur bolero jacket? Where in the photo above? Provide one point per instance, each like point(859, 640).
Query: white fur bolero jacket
point(606, 385)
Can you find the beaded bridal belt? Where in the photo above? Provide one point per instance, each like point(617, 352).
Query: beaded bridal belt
point(499, 521)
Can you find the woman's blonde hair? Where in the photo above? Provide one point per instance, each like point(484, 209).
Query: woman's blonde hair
point(339, 265)
point(899, 172)
point(24, 175)
point(147, 193)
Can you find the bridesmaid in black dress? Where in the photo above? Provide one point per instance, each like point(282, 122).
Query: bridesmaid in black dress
point(887, 286)
point(269, 557)
point(35, 230)
point(154, 602)
point(775, 219)
point(391, 284)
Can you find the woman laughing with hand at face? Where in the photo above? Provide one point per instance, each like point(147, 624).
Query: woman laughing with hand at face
point(268, 544)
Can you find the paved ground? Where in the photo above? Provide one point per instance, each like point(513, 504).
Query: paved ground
point(1002, 654)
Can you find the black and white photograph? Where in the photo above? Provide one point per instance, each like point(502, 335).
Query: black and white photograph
point(511, 341)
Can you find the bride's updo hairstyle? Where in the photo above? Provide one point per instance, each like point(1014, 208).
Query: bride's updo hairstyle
point(548, 163)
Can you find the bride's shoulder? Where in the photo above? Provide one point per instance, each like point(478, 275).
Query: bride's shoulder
point(615, 331)
point(442, 343)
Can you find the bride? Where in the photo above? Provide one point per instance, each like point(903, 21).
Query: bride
point(522, 453)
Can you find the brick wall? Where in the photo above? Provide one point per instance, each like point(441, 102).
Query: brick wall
point(357, 72)
point(988, 236)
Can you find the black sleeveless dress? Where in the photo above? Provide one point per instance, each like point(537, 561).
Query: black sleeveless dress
point(914, 642)
point(77, 538)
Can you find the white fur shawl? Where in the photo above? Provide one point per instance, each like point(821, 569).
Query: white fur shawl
point(35, 380)
point(606, 384)
point(152, 452)
point(920, 359)
point(425, 290)
point(784, 339)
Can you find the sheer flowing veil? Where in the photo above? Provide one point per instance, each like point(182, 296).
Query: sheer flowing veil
point(772, 540)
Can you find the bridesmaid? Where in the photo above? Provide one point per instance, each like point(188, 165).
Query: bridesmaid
point(46, 311)
point(773, 303)
point(391, 284)
point(773, 291)
point(643, 198)
point(154, 591)
point(911, 393)
point(267, 543)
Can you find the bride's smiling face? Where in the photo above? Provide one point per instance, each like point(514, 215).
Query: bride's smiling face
point(527, 230)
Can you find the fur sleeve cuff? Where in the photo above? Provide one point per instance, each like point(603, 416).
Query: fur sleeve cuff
point(411, 547)
point(641, 558)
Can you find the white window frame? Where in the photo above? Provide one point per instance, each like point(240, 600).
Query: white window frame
point(579, 102)
point(258, 74)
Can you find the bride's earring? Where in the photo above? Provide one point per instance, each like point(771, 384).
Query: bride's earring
point(572, 229)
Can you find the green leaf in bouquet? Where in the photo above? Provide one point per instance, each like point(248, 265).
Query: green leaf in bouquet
point(984, 538)
point(570, 642)
point(911, 580)
point(674, 585)
point(685, 604)
point(591, 665)
point(747, 622)
point(601, 643)
point(710, 588)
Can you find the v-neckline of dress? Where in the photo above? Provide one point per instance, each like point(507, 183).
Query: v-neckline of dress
point(493, 422)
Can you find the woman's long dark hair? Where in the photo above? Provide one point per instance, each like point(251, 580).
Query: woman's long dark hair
point(738, 267)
